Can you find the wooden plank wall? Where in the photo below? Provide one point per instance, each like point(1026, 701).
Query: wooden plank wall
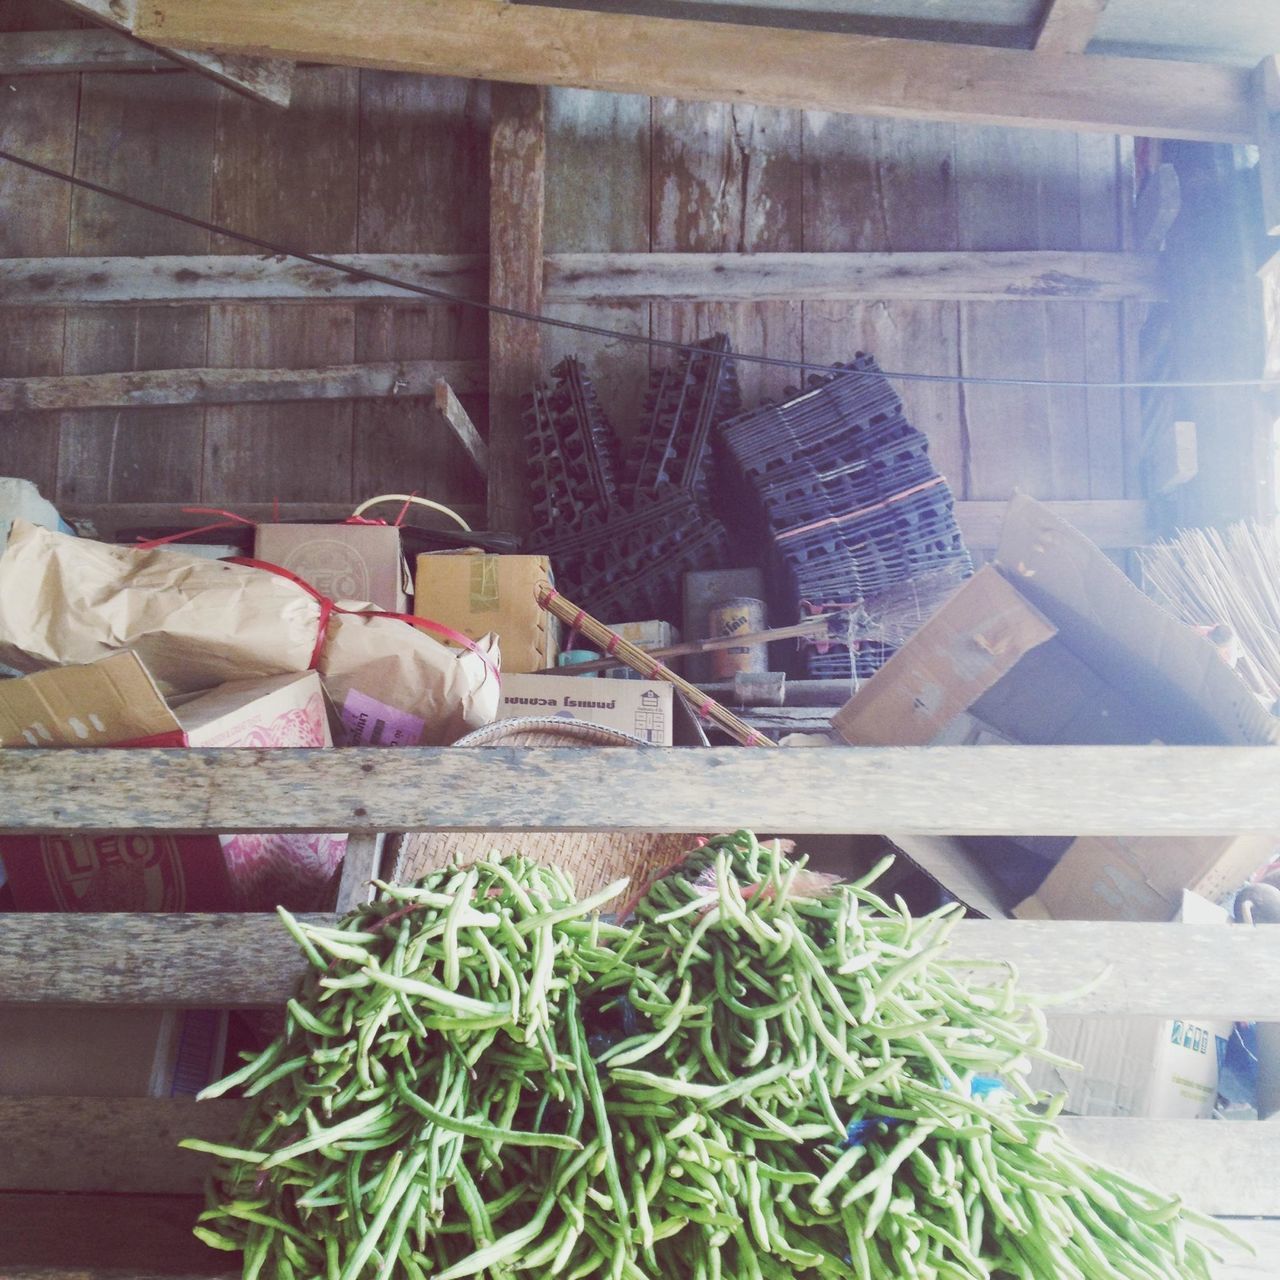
point(362, 162)
point(382, 162)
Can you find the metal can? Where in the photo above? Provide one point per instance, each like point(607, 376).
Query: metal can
point(741, 615)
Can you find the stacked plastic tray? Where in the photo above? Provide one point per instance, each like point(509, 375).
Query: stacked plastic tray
point(622, 544)
point(852, 499)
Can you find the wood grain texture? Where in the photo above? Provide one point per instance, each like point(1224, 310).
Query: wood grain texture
point(517, 203)
point(1265, 92)
point(96, 1237)
point(1113, 524)
point(915, 791)
point(722, 62)
point(726, 178)
point(184, 280)
point(449, 410)
point(38, 120)
point(37, 53)
point(1068, 25)
point(599, 171)
point(424, 188)
point(290, 176)
point(152, 135)
point(129, 1145)
point(361, 864)
point(797, 277)
point(120, 1145)
point(1141, 970)
point(160, 387)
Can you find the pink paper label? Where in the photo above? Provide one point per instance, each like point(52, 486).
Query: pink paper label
point(370, 723)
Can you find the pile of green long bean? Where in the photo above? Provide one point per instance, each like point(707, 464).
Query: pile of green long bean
point(764, 1072)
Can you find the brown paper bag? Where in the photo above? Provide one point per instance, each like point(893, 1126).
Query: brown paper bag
point(198, 623)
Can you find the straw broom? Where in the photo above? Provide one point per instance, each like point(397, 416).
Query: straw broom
point(630, 655)
point(1209, 578)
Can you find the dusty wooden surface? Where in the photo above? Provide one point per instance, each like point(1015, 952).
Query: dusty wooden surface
point(1068, 25)
point(1142, 970)
point(517, 204)
point(130, 1145)
point(34, 53)
point(536, 44)
point(1144, 790)
point(159, 387)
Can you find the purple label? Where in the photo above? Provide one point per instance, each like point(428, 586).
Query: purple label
point(370, 723)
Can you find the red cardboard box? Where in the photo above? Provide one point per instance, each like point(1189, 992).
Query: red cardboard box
point(114, 702)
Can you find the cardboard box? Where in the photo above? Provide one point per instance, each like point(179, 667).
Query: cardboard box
point(477, 593)
point(359, 562)
point(114, 702)
point(1164, 1069)
point(639, 707)
point(1053, 644)
point(110, 1052)
point(655, 634)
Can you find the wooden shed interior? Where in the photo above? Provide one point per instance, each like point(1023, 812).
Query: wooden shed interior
point(1029, 191)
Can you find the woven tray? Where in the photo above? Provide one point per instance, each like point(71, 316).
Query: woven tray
point(592, 858)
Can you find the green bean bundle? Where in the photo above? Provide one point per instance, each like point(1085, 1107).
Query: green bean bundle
point(765, 1072)
point(820, 1090)
point(431, 1108)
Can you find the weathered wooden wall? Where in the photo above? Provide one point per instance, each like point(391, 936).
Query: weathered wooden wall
point(380, 162)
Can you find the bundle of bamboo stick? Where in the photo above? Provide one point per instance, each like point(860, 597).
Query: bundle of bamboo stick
point(1215, 579)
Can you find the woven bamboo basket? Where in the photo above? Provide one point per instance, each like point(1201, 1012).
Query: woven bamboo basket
point(593, 859)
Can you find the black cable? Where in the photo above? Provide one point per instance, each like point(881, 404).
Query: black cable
point(598, 331)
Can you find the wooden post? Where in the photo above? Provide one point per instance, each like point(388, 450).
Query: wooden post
point(517, 173)
point(1266, 108)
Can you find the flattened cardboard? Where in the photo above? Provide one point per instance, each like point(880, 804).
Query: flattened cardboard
point(477, 594)
point(1106, 665)
point(359, 562)
point(639, 707)
point(110, 702)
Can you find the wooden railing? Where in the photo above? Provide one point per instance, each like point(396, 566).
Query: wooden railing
point(94, 1186)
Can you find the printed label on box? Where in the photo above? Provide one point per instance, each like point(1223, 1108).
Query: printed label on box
point(370, 723)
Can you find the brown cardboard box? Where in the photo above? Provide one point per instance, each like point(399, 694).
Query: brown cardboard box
point(642, 708)
point(1053, 644)
point(476, 594)
point(114, 702)
point(342, 561)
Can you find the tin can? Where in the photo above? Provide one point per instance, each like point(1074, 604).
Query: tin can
point(738, 616)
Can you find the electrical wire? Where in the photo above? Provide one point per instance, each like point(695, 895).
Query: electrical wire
point(599, 331)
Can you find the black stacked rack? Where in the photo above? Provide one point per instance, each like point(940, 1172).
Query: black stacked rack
point(852, 499)
point(622, 546)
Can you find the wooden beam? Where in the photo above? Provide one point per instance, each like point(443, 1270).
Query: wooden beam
point(837, 277)
point(361, 864)
point(130, 1145)
point(1157, 208)
point(1171, 457)
point(725, 62)
point(1265, 90)
point(179, 281)
point(517, 203)
point(450, 409)
point(1038, 276)
point(107, 519)
point(34, 53)
point(249, 961)
point(1148, 791)
point(158, 387)
point(264, 79)
point(1113, 523)
point(1068, 26)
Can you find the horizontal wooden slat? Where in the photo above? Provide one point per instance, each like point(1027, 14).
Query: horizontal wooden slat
point(1040, 276)
point(1113, 523)
point(725, 62)
point(110, 517)
point(782, 277)
point(130, 1145)
point(1137, 970)
point(153, 388)
point(110, 1144)
point(912, 790)
point(33, 53)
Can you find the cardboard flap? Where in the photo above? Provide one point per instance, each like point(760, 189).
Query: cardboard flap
point(1189, 694)
point(979, 635)
point(946, 861)
point(99, 704)
point(282, 711)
